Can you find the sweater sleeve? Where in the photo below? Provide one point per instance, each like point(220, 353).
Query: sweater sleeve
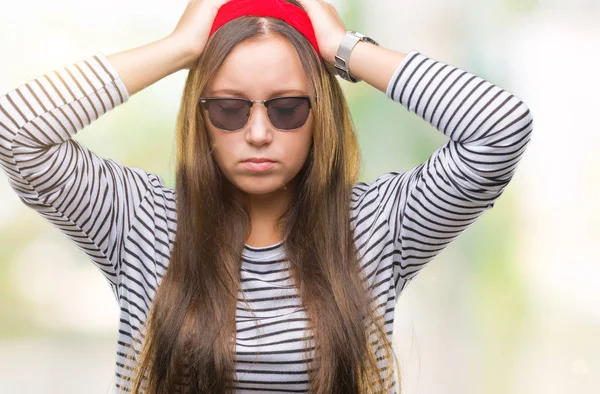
point(90, 199)
point(429, 206)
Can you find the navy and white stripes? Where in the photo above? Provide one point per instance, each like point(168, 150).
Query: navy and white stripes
point(125, 219)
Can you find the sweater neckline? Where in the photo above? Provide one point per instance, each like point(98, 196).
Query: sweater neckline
point(264, 252)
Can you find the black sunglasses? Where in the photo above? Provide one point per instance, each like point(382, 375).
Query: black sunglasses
point(232, 114)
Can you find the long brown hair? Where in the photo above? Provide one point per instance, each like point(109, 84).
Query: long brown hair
point(189, 336)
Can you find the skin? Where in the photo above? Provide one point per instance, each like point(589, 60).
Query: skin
point(141, 67)
point(259, 70)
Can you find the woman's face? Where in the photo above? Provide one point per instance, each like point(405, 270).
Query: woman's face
point(260, 70)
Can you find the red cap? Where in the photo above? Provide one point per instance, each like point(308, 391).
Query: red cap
point(280, 9)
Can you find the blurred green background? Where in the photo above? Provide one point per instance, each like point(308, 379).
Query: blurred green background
point(512, 306)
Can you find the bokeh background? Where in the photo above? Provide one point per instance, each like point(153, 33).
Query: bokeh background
point(512, 306)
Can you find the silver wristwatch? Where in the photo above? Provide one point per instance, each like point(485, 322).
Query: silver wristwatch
point(342, 59)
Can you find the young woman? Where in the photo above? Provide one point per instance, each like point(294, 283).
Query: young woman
point(269, 268)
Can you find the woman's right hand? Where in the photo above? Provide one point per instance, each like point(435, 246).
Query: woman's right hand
point(194, 26)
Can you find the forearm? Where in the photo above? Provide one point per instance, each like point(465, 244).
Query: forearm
point(143, 66)
point(489, 128)
point(374, 64)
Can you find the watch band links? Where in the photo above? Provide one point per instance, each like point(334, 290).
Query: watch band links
point(342, 58)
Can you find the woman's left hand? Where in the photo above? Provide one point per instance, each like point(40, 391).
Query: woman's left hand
point(329, 27)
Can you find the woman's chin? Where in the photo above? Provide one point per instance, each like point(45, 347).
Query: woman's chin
point(260, 185)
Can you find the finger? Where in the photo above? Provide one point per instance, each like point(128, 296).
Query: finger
point(220, 3)
point(307, 3)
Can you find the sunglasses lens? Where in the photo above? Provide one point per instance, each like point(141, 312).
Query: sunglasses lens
point(285, 113)
point(229, 114)
point(288, 113)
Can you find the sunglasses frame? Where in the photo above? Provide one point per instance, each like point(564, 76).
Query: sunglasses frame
point(205, 102)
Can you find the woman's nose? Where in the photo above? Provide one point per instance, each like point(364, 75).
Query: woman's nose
point(259, 129)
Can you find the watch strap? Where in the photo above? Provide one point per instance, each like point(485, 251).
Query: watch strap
point(342, 58)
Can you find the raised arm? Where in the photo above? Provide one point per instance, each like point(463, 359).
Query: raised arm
point(90, 199)
point(489, 128)
point(426, 208)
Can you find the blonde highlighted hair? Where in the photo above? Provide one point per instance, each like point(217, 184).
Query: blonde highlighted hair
point(180, 350)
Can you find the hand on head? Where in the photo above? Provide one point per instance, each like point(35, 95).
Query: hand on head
point(328, 25)
point(194, 26)
point(320, 24)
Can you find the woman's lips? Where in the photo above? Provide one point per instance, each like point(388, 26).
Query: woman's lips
point(259, 166)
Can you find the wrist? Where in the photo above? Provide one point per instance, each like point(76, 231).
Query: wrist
point(358, 51)
point(333, 49)
point(347, 49)
point(186, 55)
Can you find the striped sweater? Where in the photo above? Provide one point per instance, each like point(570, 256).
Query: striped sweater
point(125, 219)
